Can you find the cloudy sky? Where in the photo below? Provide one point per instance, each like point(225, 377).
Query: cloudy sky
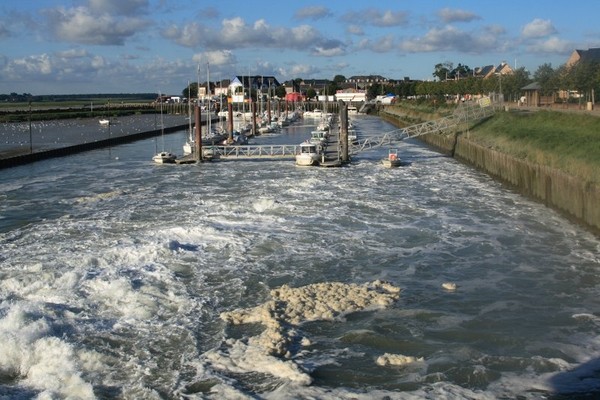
point(133, 46)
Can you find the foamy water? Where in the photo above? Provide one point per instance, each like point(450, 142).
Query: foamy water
point(259, 279)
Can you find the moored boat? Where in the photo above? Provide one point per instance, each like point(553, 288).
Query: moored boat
point(319, 137)
point(316, 113)
point(164, 157)
point(392, 160)
point(310, 154)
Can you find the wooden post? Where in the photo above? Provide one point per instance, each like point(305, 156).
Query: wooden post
point(253, 110)
point(230, 121)
point(344, 131)
point(198, 141)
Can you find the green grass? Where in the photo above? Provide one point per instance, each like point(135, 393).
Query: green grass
point(567, 141)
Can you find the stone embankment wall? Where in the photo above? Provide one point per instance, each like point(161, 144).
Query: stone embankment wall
point(577, 199)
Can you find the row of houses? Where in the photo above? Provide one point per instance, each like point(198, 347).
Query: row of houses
point(355, 88)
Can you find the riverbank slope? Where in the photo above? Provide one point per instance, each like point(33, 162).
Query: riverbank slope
point(550, 156)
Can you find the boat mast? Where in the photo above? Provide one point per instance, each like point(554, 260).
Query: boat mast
point(190, 111)
point(208, 129)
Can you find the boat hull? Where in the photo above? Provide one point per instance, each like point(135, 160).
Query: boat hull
point(391, 163)
point(164, 158)
point(307, 160)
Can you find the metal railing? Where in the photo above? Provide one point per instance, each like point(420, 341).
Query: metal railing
point(255, 151)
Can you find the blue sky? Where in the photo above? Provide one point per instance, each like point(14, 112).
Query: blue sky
point(133, 46)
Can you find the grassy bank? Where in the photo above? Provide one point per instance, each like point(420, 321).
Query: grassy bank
point(414, 112)
point(565, 141)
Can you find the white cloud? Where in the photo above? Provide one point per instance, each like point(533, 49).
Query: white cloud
point(297, 70)
point(73, 53)
point(81, 25)
point(382, 44)
point(235, 33)
point(355, 30)
point(374, 17)
point(450, 38)
point(31, 65)
point(449, 15)
point(538, 28)
point(119, 7)
point(312, 12)
point(216, 57)
point(551, 45)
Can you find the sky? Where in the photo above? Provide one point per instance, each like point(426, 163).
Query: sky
point(150, 46)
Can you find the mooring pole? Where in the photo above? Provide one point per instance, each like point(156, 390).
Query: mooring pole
point(344, 131)
point(230, 121)
point(198, 140)
point(253, 109)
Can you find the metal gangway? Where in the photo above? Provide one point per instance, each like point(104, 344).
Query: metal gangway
point(254, 151)
point(469, 111)
point(465, 113)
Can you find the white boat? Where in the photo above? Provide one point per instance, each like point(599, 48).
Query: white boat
point(319, 137)
point(310, 154)
point(190, 144)
point(164, 157)
point(324, 125)
point(352, 110)
point(210, 153)
point(316, 113)
point(392, 159)
point(104, 122)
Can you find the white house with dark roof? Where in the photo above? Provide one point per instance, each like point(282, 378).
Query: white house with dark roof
point(240, 85)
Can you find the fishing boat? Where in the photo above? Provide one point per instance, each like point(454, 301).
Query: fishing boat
point(392, 159)
point(319, 137)
point(310, 154)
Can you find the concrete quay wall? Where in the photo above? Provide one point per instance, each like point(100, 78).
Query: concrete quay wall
point(21, 159)
point(578, 200)
point(575, 198)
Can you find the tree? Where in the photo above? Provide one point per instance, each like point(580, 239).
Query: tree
point(339, 79)
point(331, 88)
point(280, 92)
point(190, 91)
point(582, 77)
point(547, 78)
point(442, 70)
point(374, 90)
point(460, 72)
point(512, 83)
point(311, 93)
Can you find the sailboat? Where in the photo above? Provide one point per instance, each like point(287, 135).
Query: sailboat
point(105, 121)
point(163, 157)
point(188, 146)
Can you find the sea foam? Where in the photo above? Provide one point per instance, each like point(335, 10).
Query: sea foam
point(271, 352)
